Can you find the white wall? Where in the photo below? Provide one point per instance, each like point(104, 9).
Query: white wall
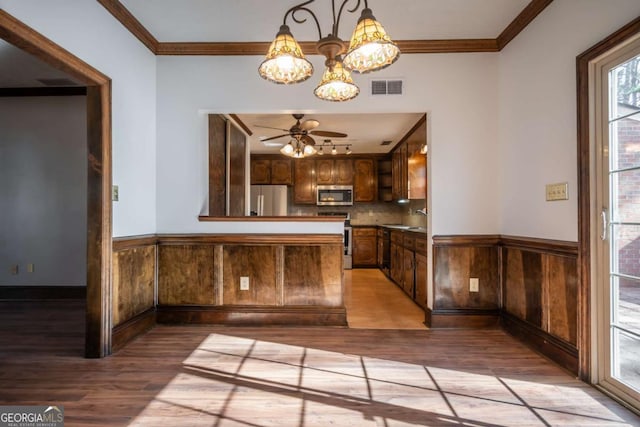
point(43, 190)
point(457, 90)
point(537, 119)
point(88, 31)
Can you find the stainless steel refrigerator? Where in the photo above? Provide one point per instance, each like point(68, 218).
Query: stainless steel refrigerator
point(269, 200)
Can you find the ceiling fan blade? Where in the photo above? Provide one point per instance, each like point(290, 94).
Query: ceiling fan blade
point(328, 134)
point(269, 127)
point(309, 124)
point(308, 140)
point(274, 137)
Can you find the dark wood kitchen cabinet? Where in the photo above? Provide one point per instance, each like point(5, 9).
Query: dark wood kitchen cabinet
point(399, 172)
point(396, 258)
point(408, 282)
point(304, 189)
point(334, 171)
point(365, 184)
point(365, 248)
point(421, 279)
point(409, 264)
point(276, 171)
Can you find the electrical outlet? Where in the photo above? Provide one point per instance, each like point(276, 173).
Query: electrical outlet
point(30, 268)
point(474, 284)
point(115, 196)
point(244, 283)
point(14, 269)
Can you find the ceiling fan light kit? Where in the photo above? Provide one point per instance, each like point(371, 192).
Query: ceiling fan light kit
point(370, 49)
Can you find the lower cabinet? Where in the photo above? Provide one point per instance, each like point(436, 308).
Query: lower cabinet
point(365, 248)
point(408, 267)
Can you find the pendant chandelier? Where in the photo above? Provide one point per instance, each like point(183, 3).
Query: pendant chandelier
point(370, 49)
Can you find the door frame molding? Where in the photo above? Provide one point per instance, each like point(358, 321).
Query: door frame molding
point(585, 198)
point(99, 215)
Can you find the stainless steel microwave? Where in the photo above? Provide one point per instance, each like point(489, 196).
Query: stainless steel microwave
point(335, 195)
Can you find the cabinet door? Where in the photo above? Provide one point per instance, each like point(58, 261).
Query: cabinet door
point(343, 172)
point(409, 272)
point(260, 172)
point(380, 242)
point(421, 280)
point(397, 273)
point(324, 171)
point(397, 174)
point(365, 183)
point(281, 172)
point(304, 191)
point(364, 247)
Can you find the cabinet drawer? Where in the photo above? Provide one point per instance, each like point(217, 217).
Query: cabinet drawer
point(408, 241)
point(364, 232)
point(421, 246)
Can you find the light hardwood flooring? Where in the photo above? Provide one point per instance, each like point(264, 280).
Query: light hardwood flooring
point(259, 377)
point(374, 302)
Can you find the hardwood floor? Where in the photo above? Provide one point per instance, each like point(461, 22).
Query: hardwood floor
point(374, 302)
point(216, 376)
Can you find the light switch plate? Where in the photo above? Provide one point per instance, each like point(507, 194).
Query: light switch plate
point(559, 191)
point(115, 196)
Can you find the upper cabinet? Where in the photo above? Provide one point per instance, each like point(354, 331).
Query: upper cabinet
point(271, 171)
point(365, 184)
point(409, 165)
point(304, 190)
point(334, 171)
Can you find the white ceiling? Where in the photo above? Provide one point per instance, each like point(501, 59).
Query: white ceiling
point(365, 131)
point(259, 20)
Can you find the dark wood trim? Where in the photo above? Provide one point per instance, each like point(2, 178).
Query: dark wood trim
point(584, 189)
point(98, 326)
point(555, 349)
point(122, 243)
point(557, 247)
point(461, 318)
point(467, 240)
point(306, 218)
point(309, 47)
point(42, 292)
point(133, 328)
point(253, 316)
point(250, 239)
point(528, 14)
point(16, 92)
point(407, 135)
point(126, 18)
point(120, 12)
point(240, 123)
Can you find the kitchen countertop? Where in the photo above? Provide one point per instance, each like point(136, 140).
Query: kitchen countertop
point(410, 228)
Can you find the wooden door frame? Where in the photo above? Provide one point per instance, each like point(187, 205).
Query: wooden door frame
point(584, 190)
point(98, 310)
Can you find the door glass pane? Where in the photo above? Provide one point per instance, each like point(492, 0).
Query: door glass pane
point(625, 246)
point(625, 142)
point(625, 196)
point(624, 94)
point(626, 354)
point(627, 304)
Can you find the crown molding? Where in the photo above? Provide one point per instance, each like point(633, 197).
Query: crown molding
point(126, 18)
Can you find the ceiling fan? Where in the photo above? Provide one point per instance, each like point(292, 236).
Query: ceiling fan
point(302, 131)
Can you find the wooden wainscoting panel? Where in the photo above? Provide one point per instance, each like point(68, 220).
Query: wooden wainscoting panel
point(258, 263)
point(133, 282)
point(454, 266)
point(523, 277)
point(186, 275)
point(313, 275)
point(562, 292)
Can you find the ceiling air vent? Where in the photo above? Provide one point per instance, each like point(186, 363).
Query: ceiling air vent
point(58, 82)
point(386, 142)
point(386, 87)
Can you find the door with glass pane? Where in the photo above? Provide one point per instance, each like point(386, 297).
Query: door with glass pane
point(620, 227)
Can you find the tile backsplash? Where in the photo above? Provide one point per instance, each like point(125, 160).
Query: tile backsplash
point(371, 213)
